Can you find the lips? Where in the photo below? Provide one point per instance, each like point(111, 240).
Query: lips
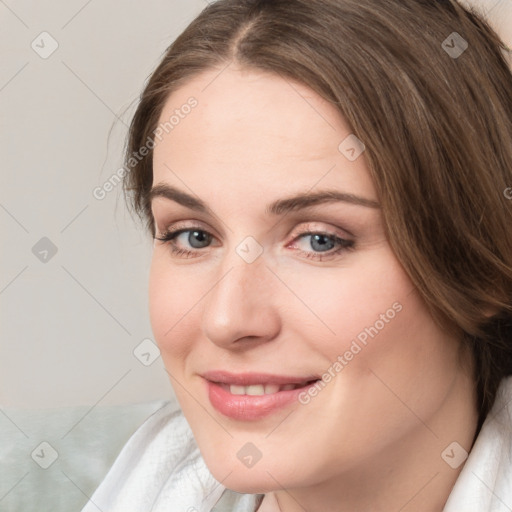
point(251, 396)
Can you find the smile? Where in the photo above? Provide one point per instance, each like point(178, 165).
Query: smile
point(250, 397)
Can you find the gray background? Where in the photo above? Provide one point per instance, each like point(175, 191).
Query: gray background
point(69, 325)
point(71, 321)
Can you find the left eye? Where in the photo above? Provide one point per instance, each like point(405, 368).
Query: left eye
point(319, 242)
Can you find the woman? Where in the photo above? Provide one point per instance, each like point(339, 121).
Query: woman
point(326, 185)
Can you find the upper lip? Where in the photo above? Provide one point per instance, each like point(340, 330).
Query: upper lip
point(246, 379)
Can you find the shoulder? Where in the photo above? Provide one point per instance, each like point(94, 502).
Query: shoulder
point(160, 468)
point(142, 469)
point(164, 437)
point(484, 482)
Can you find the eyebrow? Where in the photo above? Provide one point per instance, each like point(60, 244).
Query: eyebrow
point(279, 207)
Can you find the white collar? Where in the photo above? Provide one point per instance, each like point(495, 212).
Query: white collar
point(485, 482)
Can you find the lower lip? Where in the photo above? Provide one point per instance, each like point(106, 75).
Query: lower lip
point(251, 407)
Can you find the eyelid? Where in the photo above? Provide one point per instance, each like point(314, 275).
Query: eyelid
point(298, 230)
point(183, 225)
point(312, 227)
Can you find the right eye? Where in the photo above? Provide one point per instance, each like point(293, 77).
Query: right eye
point(189, 240)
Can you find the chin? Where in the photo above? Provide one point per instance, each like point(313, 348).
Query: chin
point(235, 476)
point(263, 477)
point(249, 483)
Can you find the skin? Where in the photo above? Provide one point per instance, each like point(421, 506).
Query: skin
point(372, 438)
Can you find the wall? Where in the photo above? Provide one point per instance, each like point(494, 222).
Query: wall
point(74, 267)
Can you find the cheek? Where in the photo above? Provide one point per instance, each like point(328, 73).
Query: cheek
point(352, 302)
point(172, 298)
point(401, 358)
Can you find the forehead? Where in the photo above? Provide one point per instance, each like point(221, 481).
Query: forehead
point(253, 127)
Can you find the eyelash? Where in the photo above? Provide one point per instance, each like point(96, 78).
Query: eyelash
point(343, 244)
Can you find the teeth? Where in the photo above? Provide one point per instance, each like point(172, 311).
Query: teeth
point(255, 389)
point(260, 389)
point(237, 390)
point(271, 389)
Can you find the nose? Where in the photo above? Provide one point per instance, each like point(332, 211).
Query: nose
point(241, 306)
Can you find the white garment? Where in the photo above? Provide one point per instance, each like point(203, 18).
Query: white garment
point(160, 469)
point(485, 482)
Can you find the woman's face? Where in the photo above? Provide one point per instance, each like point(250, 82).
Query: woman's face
point(281, 274)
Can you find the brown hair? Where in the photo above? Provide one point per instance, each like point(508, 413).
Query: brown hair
point(437, 126)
